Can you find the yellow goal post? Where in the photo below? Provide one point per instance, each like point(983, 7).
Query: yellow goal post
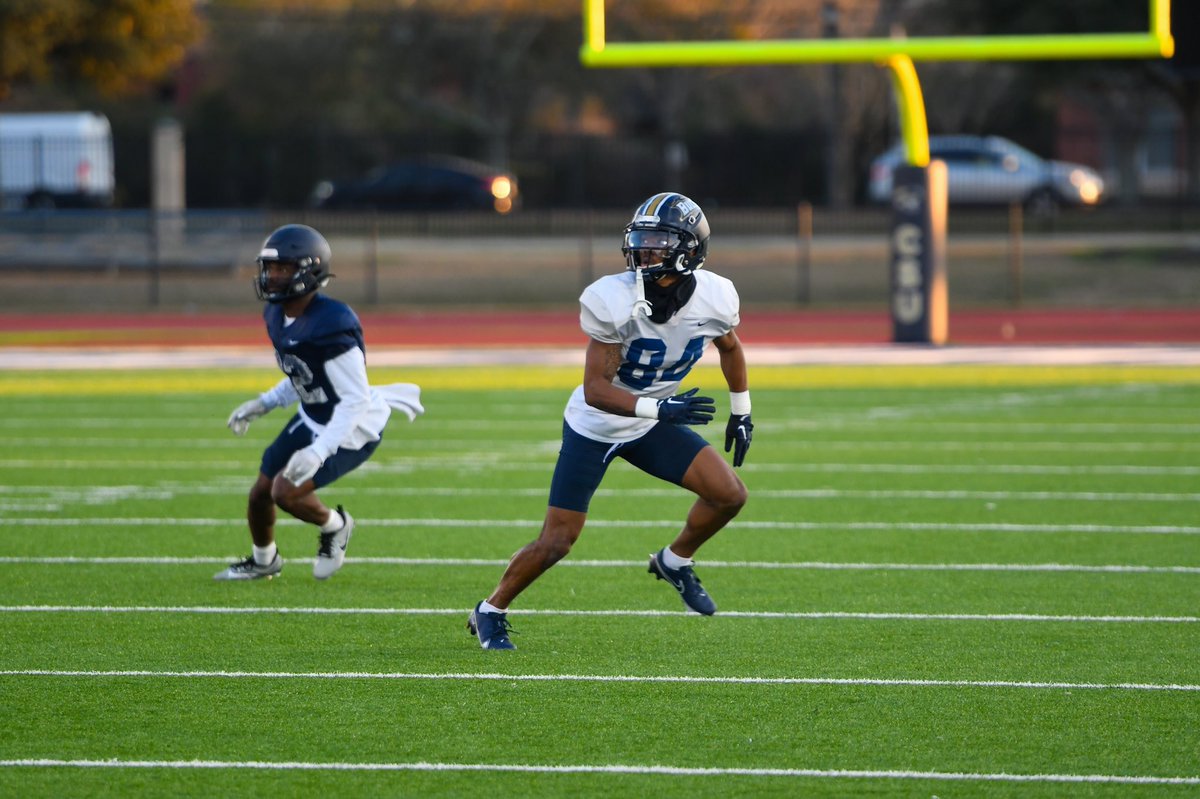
point(897, 54)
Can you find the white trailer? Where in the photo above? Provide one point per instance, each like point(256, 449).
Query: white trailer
point(55, 160)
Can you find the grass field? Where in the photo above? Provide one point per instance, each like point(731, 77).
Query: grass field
point(952, 581)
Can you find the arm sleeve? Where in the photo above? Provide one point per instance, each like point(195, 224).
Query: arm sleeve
point(348, 374)
point(282, 395)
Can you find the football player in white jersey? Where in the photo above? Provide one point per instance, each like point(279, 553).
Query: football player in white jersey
point(648, 326)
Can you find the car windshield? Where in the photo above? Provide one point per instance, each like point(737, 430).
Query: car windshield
point(1007, 146)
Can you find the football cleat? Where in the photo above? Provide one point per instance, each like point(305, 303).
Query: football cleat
point(686, 582)
point(248, 569)
point(491, 628)
point(331, 552)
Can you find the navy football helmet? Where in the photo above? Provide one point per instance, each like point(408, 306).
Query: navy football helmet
point(301, 246)
point(668, 234)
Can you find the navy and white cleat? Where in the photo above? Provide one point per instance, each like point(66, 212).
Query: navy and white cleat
point(249, 570)
point(491, 628)
point(686, 582)
point(331, 550)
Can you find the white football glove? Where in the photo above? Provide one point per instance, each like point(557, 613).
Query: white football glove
point(246, 413)
point(302, 466)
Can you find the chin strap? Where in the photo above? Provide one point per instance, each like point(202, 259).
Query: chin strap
point(641, 304)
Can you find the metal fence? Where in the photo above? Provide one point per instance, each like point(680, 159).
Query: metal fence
point(797, 256)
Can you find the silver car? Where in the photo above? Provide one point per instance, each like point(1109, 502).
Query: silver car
point(990, 170)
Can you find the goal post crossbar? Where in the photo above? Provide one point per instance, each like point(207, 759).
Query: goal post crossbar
point(1156, 42)
point(896, 54)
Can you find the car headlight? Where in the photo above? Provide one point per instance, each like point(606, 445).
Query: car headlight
point(1088, 185)
point(501, 188)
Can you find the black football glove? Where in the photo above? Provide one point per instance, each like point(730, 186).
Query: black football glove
point(687, 409)
point(738, 432)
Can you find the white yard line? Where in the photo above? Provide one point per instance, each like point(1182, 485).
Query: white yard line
point(879, 421)
point(734, 614)
point(603, 678)
point(473, 452)
point(656, 770)
point(864, 420)
point(913, 444)
point(758, 493)
point(1122, 470)
point(148, 560)
point(988, 527)
point(384, 462)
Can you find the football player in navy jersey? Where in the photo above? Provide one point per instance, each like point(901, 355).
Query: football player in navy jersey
point(647, 328)
point(319, 347)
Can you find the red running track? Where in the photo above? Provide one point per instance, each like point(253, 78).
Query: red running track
point(561, 328)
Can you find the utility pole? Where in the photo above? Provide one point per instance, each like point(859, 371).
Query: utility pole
point(837, 172)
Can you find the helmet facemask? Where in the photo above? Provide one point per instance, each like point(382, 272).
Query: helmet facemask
point(302, 248)
point(303, 279)
point(655, 252)
point(667, 236)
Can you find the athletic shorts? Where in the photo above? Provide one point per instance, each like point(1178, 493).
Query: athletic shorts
point(666, 452)
point(295, 436)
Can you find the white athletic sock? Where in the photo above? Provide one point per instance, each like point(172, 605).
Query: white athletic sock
point(484, 607)
point(264, 555)
point(673, 561)
point(334, 523)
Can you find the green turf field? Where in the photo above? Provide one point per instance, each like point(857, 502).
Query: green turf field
point(950, 581)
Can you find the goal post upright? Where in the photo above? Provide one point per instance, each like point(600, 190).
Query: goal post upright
point(897, 55)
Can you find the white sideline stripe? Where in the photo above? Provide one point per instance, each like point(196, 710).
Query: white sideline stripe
point(990, 527)
point(674, 771)
point(602, 678)
point(235, 356)
point(717, 564)
point(737, 614)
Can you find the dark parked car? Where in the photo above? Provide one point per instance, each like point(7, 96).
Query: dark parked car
point(441, 183)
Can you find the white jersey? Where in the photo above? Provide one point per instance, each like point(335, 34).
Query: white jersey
point(655, 358)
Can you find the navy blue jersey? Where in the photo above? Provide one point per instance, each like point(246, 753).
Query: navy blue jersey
point(325, 330)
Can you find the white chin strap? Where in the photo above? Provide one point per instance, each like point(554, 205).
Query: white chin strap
point(641, 304)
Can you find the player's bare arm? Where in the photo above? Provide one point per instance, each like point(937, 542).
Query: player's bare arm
point(739, 429)
point(733, 361)
point(599, 370)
